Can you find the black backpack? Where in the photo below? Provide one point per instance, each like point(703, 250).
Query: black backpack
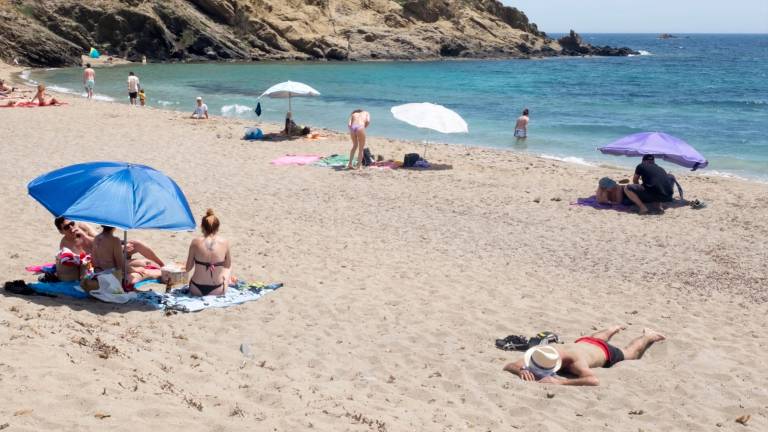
point(367, 157)
point(410, 159)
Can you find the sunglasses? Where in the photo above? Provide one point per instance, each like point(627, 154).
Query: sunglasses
point(67, 226)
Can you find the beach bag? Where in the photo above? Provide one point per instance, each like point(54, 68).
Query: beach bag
point(410, 159)
point(367, 157)
point(253, 134)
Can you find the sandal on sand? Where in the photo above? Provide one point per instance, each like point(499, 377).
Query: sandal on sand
point(544, 338)
point(512, 343)
point(696, 204)
point(18, 287)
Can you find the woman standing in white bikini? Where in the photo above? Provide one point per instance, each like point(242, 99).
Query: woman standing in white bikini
point(358, 121)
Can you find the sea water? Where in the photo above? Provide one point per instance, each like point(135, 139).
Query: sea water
point(710, 90)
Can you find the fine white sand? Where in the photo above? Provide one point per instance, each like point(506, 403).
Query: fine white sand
point(396, 285)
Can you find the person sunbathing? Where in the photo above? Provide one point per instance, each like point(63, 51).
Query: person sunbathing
point(108, 256)
point(209, 257)
point(5, 89)
point(75, 247)
point(541, 363)
point(40, 97)
point(610, 192)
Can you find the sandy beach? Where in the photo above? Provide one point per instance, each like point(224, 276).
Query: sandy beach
point(397, 283)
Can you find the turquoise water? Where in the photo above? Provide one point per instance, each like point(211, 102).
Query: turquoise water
point(711, 90)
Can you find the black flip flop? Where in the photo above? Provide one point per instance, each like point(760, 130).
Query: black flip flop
point(512, 343)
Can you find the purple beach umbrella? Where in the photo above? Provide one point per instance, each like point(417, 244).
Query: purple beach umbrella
point(660, 145)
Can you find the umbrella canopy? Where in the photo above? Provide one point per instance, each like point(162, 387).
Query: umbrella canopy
point(290, 89)
point(117, 194)
point(430, 116)
point(660, 145)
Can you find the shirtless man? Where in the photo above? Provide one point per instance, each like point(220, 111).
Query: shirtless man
point(521, 126)
point(74, 249)
point(108, 255)
point(541, 363)
point(89, 80)
point(358, 121)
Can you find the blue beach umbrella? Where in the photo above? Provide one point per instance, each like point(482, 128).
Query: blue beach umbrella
point(118, 194)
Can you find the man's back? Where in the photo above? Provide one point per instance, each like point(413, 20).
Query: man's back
point(89, 74)
point(655, 179)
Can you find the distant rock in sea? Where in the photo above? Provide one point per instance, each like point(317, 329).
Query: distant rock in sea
point(573, 45)
point(667, 36)
point(55, 33)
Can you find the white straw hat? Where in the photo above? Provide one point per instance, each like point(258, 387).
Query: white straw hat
point(544, 358)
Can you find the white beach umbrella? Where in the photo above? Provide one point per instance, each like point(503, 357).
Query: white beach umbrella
point(430, 116)
point(290, 89)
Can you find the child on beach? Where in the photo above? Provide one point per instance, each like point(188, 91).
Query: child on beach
point(201, 110)
point(142, 97)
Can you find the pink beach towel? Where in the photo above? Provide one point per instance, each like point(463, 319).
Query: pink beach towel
point(296, 160)
point(31, 105)
point(39, 268)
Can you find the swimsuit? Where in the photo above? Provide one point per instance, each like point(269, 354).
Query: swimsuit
point(207, 289)
point(520, 133)
point(89, 84)
point(68, 258)
point(356, 127)
point(613, 355)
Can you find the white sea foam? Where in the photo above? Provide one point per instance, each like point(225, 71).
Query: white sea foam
point(236, 110)
point(644, 52)
point(59, 89)
point(99, 97)
point(166, 103)
point(569, 159)
point(24, 75)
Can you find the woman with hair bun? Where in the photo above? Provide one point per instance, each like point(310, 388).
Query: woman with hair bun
point(210, 259)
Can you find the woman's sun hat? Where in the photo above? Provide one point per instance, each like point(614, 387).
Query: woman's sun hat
point(542, 360)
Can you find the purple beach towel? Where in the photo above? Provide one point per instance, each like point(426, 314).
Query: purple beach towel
point(592, 202)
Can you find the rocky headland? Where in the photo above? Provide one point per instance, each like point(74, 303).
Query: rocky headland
point(56, 32)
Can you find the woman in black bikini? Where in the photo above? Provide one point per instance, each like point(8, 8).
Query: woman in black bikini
point(210, 259)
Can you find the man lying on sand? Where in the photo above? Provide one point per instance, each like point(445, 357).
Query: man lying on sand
point(541, 363)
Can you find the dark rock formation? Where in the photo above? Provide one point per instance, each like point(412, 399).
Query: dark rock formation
point(573, 45)
point(56, 32)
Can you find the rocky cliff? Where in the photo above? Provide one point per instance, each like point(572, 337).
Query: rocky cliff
point(56, 32)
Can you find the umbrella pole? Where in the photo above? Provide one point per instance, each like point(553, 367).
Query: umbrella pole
point(287, 124)
point(125, 257)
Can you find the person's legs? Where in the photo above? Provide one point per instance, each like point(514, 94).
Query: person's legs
point(136, 246)
point(635, 349)
point(632, 195)
point(353, 136)
point(360, 147)
point(608, 333)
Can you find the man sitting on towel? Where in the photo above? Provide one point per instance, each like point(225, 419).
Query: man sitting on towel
point(75, 249)
point(108, 257)
point(541, 363)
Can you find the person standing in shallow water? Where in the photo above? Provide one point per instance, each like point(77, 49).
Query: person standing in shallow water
point(133, 87)
point(89, 80)
point(521, 126)
point(358, 121)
